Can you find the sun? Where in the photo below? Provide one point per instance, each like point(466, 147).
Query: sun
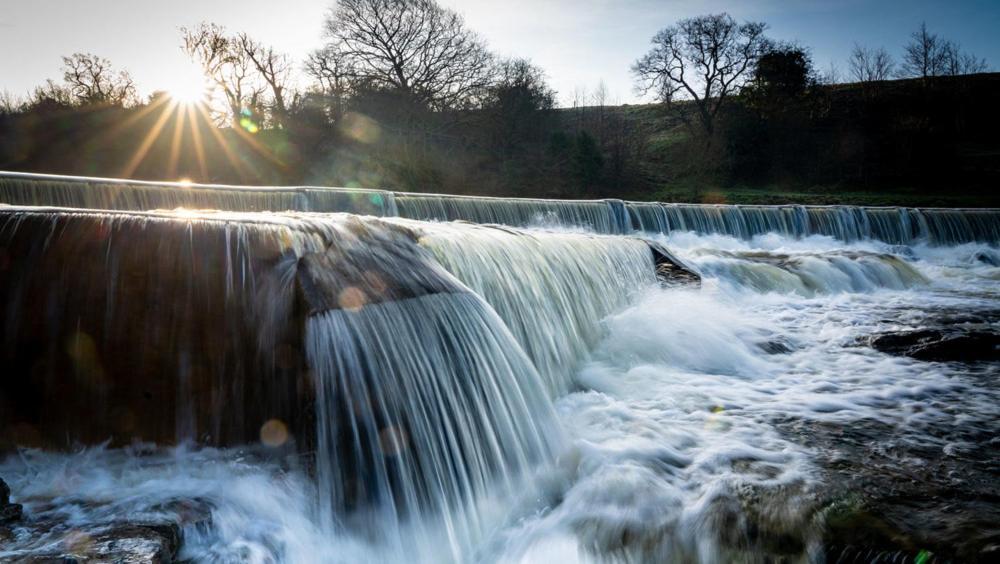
point(189, 86)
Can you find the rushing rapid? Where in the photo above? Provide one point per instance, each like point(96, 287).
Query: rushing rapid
point(292, 386)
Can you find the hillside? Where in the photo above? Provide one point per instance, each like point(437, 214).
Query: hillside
point(916, 142)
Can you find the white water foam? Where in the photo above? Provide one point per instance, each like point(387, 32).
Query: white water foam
point(678, 452)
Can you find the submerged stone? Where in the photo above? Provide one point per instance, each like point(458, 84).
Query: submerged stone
point(9, 512)
point(942, 345)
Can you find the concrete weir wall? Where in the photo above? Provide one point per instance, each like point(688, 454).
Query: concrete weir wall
point(79, 288)
point(897, 225)
point(135, 195)
point(174, 326)
point(178, 325)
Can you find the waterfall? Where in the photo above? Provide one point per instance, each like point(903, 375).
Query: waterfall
point(426, 405)
point(133, 195)
point(897, 225)
point(551, 289)
point(214, 327)
point(426, 409)
point(846, 223)
point(600, 216)
point(409, 380)
point(809, 274)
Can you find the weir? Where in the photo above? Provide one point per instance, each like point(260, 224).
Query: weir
point(136, 195)
point(411, 364)
point(600, 216)
point(375, 345)
point(897, 225)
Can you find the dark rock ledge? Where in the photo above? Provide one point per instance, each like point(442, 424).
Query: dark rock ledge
point(155, 541)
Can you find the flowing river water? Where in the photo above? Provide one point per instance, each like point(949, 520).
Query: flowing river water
point(539, 397)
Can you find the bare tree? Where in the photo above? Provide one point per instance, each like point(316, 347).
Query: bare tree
point(924, 55)
point(580, 96)
point(832, 74)
point(412, 46)
point(328, 70)
point(51, 94)
point(600, 99)
point(272, 67)
point(600, 94)
point(705, 59)
point(10, 103)
point(226, 65)
point(957, 62)
point(331, 78)
point(92, 80)
point(928, 54)
point(868, 64)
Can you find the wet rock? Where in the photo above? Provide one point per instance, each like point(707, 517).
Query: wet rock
point(891, 500)
point(860, 554)
point(122, 544)
point(775, 346)
point(9, 512)
point(670, 270)
point(988, 257)
point(350, 277)
point(942, 345)
point(151, 537)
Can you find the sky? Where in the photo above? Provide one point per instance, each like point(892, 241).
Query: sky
point(579, 43)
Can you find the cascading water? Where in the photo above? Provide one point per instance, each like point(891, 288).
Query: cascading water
point(897, 225)
point(601, 216)
point(355, 389)
point(131, 195)
point(846, 223)
point(426, 407)
point(551, 289)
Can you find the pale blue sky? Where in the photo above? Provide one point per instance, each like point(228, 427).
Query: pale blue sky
point(577, 42)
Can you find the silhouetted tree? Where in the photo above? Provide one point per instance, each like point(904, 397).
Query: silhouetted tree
point(331, 80)
point(924, 55)
point(927, 54)
point(227, 66)
point(50, 95)
point(91, 80)
point(413, 46)
point(273, 68)
point(783, 72)
point(869, 65)
point(600, 99)
point(956, 62)
point(9, 103)
point(832, 74)
point(706, 59)
point(516, 104)
point(767, 134)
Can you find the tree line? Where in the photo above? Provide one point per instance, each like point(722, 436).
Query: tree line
point(404, 95)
